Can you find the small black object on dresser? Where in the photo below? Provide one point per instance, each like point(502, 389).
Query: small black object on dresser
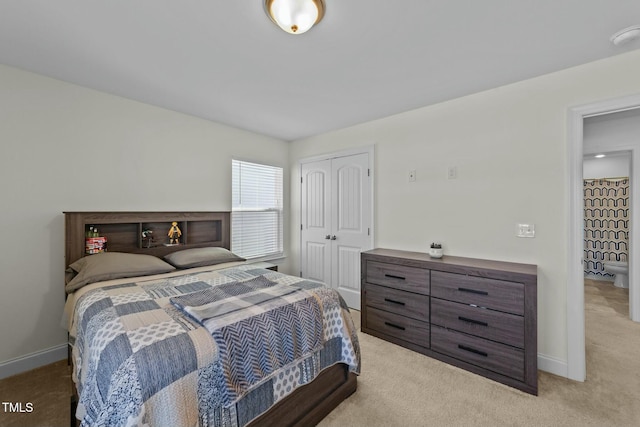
point(479, 315)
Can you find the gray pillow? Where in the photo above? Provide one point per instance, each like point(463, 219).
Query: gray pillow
point(114, 265)
point(200, 257)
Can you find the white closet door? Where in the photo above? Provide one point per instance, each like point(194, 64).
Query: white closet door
point(351, 223)
point(316, 221)
point(336, 222)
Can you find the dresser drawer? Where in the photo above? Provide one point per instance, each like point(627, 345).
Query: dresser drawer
point(493, 325)
point(494, 294)
point(399, 302)
point(401, 277)
point(401, 327)
point(486, 354)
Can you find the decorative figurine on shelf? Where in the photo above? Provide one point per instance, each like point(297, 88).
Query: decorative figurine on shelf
point(174, 234)
point(147, 237)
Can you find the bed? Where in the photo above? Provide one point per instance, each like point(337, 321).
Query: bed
point(187, 334)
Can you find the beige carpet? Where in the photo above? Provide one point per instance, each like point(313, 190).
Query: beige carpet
point(47, 388)
point(402, 388)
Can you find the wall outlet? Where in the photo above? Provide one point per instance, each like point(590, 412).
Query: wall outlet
point(526, 230)
point(412, 176)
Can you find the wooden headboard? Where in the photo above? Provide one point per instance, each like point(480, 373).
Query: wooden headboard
point(124, 230)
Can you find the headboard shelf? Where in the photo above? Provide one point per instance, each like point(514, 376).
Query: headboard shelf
point(124, 231)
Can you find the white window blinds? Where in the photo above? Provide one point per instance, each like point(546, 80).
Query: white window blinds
point(257, 214)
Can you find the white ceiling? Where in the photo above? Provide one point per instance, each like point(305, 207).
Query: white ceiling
point(224, 60)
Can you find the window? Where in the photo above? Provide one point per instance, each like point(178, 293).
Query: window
point(257, 214)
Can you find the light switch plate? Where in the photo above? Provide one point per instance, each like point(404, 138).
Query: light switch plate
point(526, 230)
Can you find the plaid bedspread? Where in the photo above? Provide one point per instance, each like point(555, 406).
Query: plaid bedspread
point(259, 327)
point(140, 360)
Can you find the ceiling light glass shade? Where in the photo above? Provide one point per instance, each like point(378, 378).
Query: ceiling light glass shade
point(626, 35)
point(295, 16)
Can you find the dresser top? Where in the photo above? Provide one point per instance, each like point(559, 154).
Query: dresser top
point(453, 263)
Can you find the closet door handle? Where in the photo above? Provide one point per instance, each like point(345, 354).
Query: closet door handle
point(333, 237)
point(328, 236)
point(477, 322)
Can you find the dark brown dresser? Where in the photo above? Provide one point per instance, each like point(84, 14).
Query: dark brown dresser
point(479, 315)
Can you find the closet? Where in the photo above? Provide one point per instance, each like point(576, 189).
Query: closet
point(336, 220)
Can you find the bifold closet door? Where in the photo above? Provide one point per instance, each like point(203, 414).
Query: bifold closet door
point(336, 222)
point(316, 221)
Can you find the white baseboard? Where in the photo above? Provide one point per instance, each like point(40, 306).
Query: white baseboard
point(32, 361)
point(553, 365)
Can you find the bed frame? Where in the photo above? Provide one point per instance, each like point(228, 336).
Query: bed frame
point(309, 404)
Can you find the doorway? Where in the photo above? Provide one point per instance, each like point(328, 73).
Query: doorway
point(576, 361)
point(336, 222)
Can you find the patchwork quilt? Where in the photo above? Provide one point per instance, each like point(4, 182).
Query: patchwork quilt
point(213, 348)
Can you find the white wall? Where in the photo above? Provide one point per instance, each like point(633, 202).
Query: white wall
point(509, 146)
point(616, 135)
point(614, 165)
point(607, 131)
point(68, 148)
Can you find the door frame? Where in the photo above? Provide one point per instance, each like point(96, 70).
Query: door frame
point(576, 359)
point(367, 149)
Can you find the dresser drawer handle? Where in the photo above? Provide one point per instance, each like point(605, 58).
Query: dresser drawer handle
point(394, 302)
point(477, 322)
point(394, 326)
point(473, 291)
point(472, 350)
point(391, 276)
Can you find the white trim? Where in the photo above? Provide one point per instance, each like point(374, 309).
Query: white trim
point(576, 364)
point(32, 361)
point(370, 149)
point(552, 365)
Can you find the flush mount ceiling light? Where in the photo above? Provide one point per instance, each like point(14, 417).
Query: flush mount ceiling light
point(599, 156)
point(626, 35)
point(295, 16)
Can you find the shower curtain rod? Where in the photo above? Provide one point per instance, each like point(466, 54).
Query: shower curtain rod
point(613, 178)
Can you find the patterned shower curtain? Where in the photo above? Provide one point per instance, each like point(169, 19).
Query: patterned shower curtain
point(606, 224)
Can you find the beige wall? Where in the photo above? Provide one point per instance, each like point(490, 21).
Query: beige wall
point(509, 146)
point(67, 148)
